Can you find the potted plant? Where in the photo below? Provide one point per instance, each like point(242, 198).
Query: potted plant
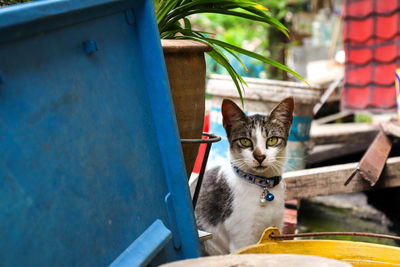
point(184, 50)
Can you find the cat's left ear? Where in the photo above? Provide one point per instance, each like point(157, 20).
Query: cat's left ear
point(231, 115)
point(283, 112)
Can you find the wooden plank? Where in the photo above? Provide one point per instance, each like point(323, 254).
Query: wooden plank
point(328, 92)
point(290, 217)
point(330, 180)
point(334, 117)
point(374, 160)
point(322, 153)
point(391, 128)
point(343, 133)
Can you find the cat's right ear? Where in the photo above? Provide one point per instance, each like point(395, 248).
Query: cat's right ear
point(231, 113)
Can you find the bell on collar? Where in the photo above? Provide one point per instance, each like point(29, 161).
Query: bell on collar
point(269, 196)
point(266, 196)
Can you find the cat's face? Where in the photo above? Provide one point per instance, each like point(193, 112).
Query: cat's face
point(257, 143)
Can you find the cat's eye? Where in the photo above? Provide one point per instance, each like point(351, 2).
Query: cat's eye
point(245, 142)
point(272, 141)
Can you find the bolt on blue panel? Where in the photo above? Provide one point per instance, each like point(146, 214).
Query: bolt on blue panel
point(89, 143)
point(90, 47)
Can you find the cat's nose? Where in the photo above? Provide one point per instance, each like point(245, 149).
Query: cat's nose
point(259, 158)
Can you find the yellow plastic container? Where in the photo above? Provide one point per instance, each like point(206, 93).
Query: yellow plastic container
point(356, 253)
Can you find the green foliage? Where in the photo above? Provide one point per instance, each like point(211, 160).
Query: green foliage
point(12, 2)
point(230, 29)
point(362, 117)
point(251, 35)
point(170, 14)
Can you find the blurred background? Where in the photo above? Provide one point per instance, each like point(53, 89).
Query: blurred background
point(315, 34)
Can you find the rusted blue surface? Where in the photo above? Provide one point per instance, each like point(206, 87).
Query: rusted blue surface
point(88, 138)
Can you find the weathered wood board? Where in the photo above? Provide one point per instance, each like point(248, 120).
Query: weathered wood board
point(330, 180)
point(341, 115)
point(343, 133)
point(322, 153)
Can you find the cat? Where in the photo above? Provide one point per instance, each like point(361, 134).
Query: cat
point(230, 206)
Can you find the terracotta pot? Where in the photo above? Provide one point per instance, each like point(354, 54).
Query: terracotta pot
point(187, 78)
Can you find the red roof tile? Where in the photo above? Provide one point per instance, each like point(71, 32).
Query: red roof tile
point(357, 98)
point(383, 97)
point(359, 56)
point(384, 74)
point(371, 35)
point(359, 76)
point(386, 53)
point(377, 98)
point(379, 28)
point(358, 8)
point(379, 74)
point(386, 6)
point(364, 30)
point(387, 27)
point(379, 51)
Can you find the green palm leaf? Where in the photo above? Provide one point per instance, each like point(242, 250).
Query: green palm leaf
point(169, 13)
point(255, 55)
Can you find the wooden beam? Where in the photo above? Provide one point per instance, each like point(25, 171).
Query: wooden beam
point(349, 133)
point(391, 128)
point(330, 180)
point(322, 153)
point(334, 117)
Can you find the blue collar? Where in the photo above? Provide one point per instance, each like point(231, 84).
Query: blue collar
point(268, 182)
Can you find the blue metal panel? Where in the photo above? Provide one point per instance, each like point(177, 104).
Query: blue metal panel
point(89, 142)
point(145, 247)
point(164, 116)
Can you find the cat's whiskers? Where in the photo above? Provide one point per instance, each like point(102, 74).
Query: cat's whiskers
point(290, 166)
point(276, 166)
point(238, 160)
point(244, 163)
point(279, 162)
point(289, 157)
point(284, 164)
point(239, 163)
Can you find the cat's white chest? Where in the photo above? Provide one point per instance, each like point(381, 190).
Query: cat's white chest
point(249, 217)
